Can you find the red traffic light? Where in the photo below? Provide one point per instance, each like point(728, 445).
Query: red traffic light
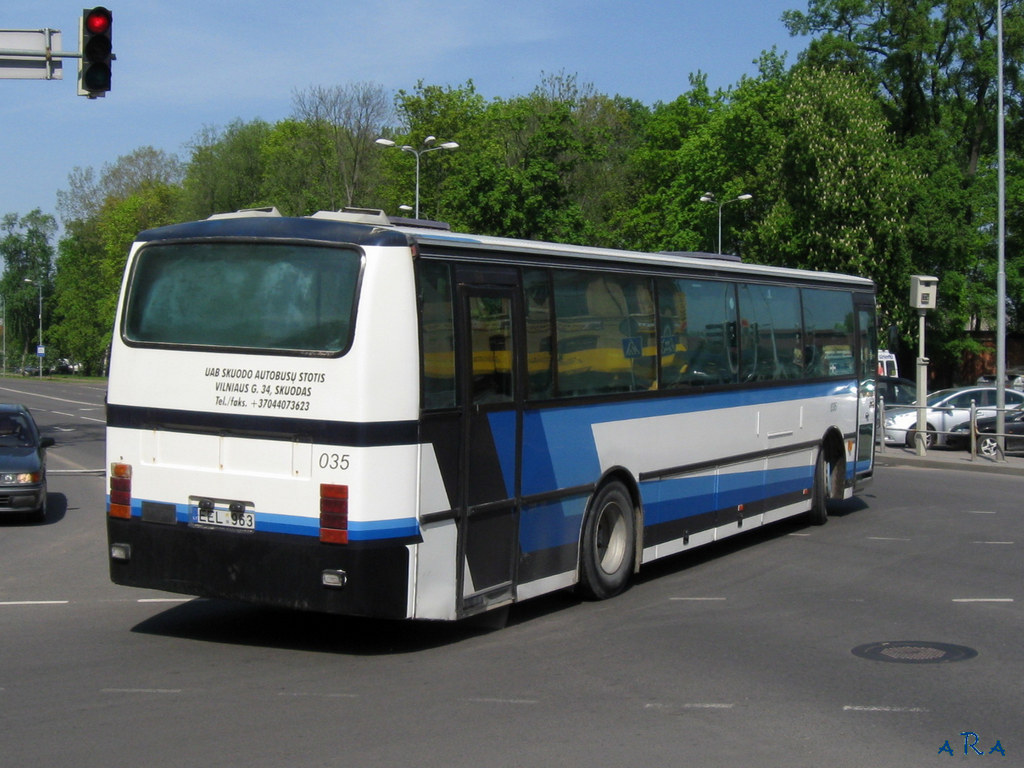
point(95, 35)
point(97, 21)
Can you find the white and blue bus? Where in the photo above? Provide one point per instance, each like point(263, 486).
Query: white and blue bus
point(353, 415)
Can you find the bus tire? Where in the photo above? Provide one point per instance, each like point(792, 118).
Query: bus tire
point(608, 545)
point(818, 514)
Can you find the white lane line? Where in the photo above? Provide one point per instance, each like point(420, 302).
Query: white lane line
point(141, 690)
point(165, 599)
point(297, 695)
point(858, 708)
point(687, 705)
point(980, 512)
point(885, 538)
point(35, 602)
point(992, 542)
point(49, 397)
point(697, 599)
point(982, 599)
point(518, 701)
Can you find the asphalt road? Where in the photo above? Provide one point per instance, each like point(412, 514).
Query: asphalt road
point(738, 655)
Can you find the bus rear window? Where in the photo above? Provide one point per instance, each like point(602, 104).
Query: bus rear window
point(260, 296)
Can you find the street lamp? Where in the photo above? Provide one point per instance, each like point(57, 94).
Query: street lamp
point(428, 146)
point(3, 300)
point(709, 197)
point(39, 283)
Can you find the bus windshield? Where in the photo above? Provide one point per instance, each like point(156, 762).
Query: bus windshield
point(259, 296)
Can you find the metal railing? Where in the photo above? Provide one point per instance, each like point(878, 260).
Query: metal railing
point(994, 449)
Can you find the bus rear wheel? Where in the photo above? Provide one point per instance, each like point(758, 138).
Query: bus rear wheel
point(608, 546)
point(818, 515)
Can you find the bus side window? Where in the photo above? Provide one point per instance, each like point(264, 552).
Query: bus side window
point(770, 323)
point(829, 335)
point(537, 300)
point(437, 343)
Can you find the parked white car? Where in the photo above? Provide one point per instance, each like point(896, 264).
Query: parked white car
point(946, 409)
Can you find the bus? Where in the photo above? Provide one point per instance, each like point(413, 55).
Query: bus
point(356, 415)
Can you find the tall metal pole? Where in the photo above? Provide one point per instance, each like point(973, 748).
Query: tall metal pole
point(417, 152)
point(709, 197)
point(417, 214)
point(922, 389)
point(39, 351)
point(39, 357)
point(720, 228)
point(1001, 272)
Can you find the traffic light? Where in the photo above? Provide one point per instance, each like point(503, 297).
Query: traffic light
point(97, 52)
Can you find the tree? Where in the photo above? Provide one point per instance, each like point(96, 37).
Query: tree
point(450, 114)
point(81, 329)
point(838, 186)
point(28, 264)
point(86, 194)
point(225, 171)
point(343, 121)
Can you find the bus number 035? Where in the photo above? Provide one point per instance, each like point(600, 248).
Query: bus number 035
point(334, 461)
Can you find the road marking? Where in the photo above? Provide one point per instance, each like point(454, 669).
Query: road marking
point(697, 599)
point(165, 599)
point(297, 695)
point(886, 538)
point(688, 705)
point(858, 708)
point(48, 397)
point(991, 542)
point(982, 599)
point(35, 602)
point(980, 512)
point(503, 701)
point(141, 690)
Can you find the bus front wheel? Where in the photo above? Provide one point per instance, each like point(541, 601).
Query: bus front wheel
point(608, 546)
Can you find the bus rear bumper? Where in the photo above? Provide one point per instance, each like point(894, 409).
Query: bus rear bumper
point(265, 568)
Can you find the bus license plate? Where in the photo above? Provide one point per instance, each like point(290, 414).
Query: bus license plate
point(224, 518)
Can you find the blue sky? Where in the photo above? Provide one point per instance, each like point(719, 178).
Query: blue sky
point(185, 64)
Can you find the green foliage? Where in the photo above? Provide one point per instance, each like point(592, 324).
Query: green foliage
point(28, 264)
point(874, 155)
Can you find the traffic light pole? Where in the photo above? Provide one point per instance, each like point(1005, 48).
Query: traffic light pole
point(28, 54)
point(48, 59)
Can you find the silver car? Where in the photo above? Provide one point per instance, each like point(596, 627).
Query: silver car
point(946, 409)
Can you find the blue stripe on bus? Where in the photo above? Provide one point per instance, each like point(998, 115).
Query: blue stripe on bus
point(558, 523)
point(559, 450)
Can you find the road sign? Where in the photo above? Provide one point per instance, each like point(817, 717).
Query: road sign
point(30, 54)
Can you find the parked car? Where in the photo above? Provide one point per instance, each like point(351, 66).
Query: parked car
point(22, 462)
point(947, 408)
point(1014, 379)
point(960, 436)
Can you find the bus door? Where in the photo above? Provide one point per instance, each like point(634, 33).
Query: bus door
point(491, 434)
point(866, 369)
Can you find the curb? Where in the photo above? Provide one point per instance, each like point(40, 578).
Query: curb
point(1012, 467)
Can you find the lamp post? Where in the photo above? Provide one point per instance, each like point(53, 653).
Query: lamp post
point(428, 146)
point(39, 284)
point(709, 197)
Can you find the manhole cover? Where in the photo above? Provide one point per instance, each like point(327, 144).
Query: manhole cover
point(914, 652)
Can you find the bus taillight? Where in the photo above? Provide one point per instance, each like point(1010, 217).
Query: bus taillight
point(120, 491)
point(334, 513)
